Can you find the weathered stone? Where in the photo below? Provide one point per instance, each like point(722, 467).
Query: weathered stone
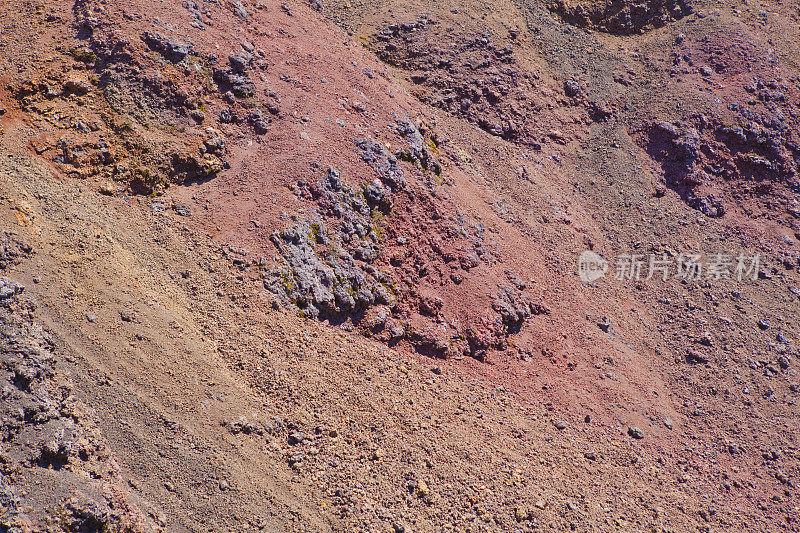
point(383, 162)
point(635, 432)
point(168, 47)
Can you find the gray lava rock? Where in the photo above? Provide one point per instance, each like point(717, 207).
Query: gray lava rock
point(694, 356)
point(197, 16)
point(58, 442)
point(296, 438)
point(182, 210)
point(239, 10)
point(9, 288)
point(418, 152)
point(366, 251)
point(328, 269)
point(240, 62)
point(9, 501)
point(12, 249)
point(635, 432)
point(259, 121)
point(687, 145)
point(215, 142)
point(572, 88)
point(226, 116)
point(375, 193)
point(168, 47)
point(242, 425)
point(239, 84)
point(667, 128)
point(514, 307)
point(383, 162)
point(605, 325)
point(324, 283)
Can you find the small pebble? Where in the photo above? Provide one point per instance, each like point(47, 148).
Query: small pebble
point(635, 432)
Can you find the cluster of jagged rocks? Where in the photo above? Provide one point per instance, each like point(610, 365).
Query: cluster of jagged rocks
point(330, 273)
point(31, 406)
point(621, 16)
point(679, 151)
point(235, 77)
point(45, 426)
point(475, 79)
point(329, 268)
point(13, 249)
point(709, 161)
point(132, 143)
point(107, 74)
point(333, 266)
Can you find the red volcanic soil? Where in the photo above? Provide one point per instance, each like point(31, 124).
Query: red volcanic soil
point(289, 266)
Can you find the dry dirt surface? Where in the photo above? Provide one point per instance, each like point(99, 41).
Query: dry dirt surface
point(313, 266)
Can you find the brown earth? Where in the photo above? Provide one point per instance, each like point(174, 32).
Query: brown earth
point(277, 266)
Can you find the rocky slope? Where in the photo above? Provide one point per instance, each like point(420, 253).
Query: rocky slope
point(313, 266)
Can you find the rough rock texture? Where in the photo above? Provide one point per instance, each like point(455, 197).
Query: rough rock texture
point(515, 308)
point(663, 404)
point(45, 427)
point(334, 270)
point(621, 16)
point(717, 161)
point(330, 274)
point(170, 48)
point(382, 161)
point(129, 109)
point(474, 76)
point(13, 249)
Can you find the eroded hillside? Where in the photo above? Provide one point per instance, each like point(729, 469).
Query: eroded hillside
point(289, 266)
